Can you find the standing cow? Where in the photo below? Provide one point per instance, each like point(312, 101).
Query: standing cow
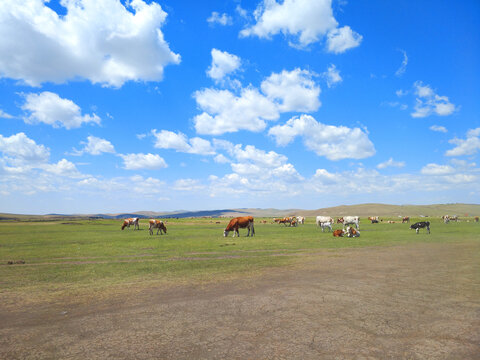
point(131, 221)
point(421, 225)
point(157, 224)
point(241, 222)
point(350, 220)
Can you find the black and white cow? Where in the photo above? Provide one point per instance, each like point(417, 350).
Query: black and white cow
point(421, 225)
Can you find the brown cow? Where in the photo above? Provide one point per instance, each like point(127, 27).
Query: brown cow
point(240, 222)
point(406, 219)
point(476, 218)
point(338, 233)
point(131, 221)
point(156, 224)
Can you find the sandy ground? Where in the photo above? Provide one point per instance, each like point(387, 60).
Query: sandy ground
point(404, 302)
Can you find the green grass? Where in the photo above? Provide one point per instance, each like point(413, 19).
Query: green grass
point(96, 253)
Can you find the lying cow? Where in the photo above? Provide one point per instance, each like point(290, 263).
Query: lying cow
point(156, 224)
point(338, 233)
point(351, 232)
point(421, 225)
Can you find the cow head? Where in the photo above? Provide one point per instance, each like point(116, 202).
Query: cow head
point(340, 220)
point(225, 233)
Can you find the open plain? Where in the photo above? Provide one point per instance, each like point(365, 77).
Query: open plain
point(87, 290)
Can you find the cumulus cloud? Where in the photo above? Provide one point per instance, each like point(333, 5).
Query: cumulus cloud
point(179, 142)
point(292, 90)
point(51, 109)
point(63, 168)
point(438, 128)
point(222, 19)
point(468, 146)
point(95, 146)
point(332, 76)
point(223, 111)
point(188, 185)
point(143, 161)
point(223, 64)
point(307, 21)
point(21, 147)
point(103, 41)
point(391, 163)
point(333, 142)
point(428, 103)
point(401, 70)
point(342, 39)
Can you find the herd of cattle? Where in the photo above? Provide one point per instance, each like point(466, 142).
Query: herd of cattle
point(323, 222)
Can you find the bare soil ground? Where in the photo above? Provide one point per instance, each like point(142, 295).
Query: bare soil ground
point(417, 301)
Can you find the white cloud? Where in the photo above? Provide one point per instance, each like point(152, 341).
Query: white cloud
point(468, 146)
point(223, 64)
point(95, 146)
point(333, 142)
point(435, 169)
point(179, 142)
point(51, 109)
point(188, 185)
point(222, 19)
point(341, 39)
point(4, 115)
point(292, 90)
point(103, 41)
point(143, 161)
point(332, 76)
point(391, 163)
point(401, 70)
point(428, 103)
point(21, 147)
point(438, 128)
point(223, 111)
point(63, 168)
point(401, 92)
point(308, 21)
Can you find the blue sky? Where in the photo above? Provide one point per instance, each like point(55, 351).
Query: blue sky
point(110, 106)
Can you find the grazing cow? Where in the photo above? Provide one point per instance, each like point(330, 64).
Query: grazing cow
point(291, 221)
point(373, 218)
point(301, 220)
point(156, 224)
point(131, 221)
point(338, 233)
point(476, 218)
point(446, 219)
point(421, 225)
point(323, 219)
point(327, 225)
point(240, 222)
point(405, 219)
point(351, 232)
point(349, 220)
point(453, 218)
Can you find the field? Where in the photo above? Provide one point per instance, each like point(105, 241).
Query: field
point(194, 294)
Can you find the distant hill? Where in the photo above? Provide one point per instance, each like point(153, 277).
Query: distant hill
point(362, 210)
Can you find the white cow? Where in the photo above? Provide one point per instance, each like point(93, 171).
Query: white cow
point(323, 219)
point(327, 225)
point(349, 220)
point(301, 220)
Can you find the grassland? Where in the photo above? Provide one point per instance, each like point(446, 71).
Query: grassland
point(84, 255)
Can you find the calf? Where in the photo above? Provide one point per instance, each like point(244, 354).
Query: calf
point(327, 225)
point(421, 225)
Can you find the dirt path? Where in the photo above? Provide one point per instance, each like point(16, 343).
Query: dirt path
point(406, 302)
